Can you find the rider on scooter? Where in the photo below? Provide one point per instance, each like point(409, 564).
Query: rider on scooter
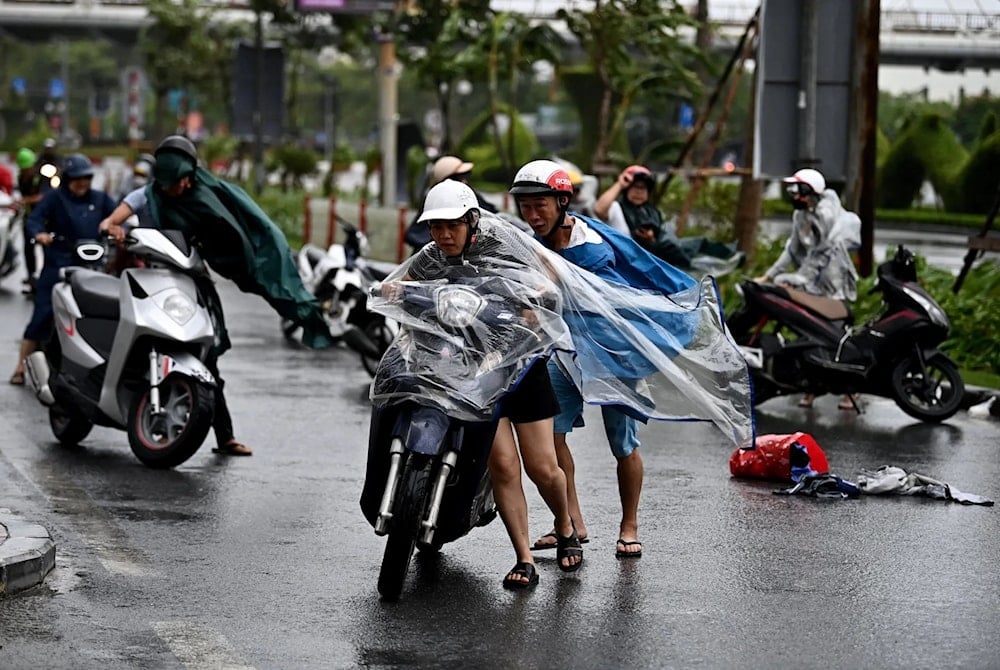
point(235, 238)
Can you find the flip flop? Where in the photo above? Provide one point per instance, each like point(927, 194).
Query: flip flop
point(233, 448)
point(17, 379)
point(521, 569)
point(621, 553)
point(538, 546)
point(568, 547)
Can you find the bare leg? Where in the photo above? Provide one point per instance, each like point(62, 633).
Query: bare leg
point(629, 489)
point(26, 349)
point(505, 471)
point(568, 466)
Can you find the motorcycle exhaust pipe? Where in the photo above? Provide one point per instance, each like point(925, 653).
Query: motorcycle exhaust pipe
point(389, 494)
point(429, 525)
point(38, 374)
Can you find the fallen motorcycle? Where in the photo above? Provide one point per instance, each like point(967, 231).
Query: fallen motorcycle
point(795, 342)
point(340, 278)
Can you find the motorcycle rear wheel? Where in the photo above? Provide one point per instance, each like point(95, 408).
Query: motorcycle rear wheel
point(173, 436)
point(411, 501)
point(69, 426)
point(931, 392)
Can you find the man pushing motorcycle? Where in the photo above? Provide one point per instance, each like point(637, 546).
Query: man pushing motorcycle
point(236, 239)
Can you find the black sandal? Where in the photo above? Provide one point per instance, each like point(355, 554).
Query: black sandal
point(568, 547)
point(521, 569)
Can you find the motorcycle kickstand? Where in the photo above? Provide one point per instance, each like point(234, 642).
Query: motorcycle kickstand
point(429, 525)
point(389, 494)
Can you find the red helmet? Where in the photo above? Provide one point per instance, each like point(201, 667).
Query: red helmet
point(542, 177)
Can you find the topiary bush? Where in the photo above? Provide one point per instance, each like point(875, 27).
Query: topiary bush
point(979, 181)
point(926, 149)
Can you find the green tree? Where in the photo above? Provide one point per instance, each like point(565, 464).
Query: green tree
point(179, 52)
point(633, 47)
point(513, 45)
point(434, 38)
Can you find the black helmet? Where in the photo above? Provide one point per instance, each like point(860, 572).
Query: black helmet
point(179, 144)
point(77, 166)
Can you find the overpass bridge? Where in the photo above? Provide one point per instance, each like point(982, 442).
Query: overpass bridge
point(948, 41)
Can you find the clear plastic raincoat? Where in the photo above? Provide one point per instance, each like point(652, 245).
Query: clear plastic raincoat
point(657, 354)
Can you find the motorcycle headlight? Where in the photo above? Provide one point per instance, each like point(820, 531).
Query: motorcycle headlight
point(177, 306)
point(458, 307)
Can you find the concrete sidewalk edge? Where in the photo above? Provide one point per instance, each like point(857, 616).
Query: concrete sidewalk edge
point(27, 554)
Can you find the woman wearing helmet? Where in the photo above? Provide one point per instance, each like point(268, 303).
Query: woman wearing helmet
point(461, 237)
point(817, 255)
point(66, 214)
point(627, 207)
point(236, 239)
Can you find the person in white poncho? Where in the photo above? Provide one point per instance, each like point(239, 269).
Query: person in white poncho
point(817, 256)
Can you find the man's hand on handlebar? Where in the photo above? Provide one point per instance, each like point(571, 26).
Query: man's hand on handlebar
point(113, 230)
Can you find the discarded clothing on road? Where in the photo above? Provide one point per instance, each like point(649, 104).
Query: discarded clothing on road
point(780, 458)
point(891, 479)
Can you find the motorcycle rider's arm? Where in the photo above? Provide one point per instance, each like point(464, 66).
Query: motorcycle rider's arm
point(35, 225)
point(603, 204)
point(130, 204)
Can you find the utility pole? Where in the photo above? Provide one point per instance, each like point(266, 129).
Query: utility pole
point(388, 76)
point(258, 121)
point(807, 76)
point(861, 153)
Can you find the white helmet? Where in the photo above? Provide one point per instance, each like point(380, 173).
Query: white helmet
point(811, 178)
point(449, 201)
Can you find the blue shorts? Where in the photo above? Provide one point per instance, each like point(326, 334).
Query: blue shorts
point(622, 430)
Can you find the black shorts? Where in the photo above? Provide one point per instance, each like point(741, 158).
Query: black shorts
point(533, 399)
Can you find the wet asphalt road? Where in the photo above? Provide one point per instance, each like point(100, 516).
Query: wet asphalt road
point(266, 562)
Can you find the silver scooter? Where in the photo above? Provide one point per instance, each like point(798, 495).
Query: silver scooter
point(129, 352)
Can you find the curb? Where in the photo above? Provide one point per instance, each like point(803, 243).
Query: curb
point(27, 554)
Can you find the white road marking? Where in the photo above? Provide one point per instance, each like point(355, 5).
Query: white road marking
point(199, 647)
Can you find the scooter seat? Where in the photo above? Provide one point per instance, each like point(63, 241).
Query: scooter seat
point(96, 293)
point(829, 308)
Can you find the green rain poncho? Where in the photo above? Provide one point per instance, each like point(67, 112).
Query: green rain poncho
point(238, 241)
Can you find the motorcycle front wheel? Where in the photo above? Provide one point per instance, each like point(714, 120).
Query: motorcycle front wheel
point(931, 390)
point(410, 503)
point(170, 437)
point(68, 425)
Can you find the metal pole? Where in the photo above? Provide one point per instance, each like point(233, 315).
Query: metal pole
point(388, 117)
point(807, 76)
point(64, 73)
point(258, 121)
point(868, 86)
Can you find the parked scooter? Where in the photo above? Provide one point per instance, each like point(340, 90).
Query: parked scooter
point(340, 277)
point(799, 343)
point(129, 352)
point(461, 346)
point(10, 231)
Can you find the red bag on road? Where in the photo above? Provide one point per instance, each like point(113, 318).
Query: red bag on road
point(779, 458)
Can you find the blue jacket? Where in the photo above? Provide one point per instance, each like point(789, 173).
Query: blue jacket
point(75, 218)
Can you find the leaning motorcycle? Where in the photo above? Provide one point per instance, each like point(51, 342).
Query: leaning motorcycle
point(130, 352)
point(461, 346)
point(799, 343)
